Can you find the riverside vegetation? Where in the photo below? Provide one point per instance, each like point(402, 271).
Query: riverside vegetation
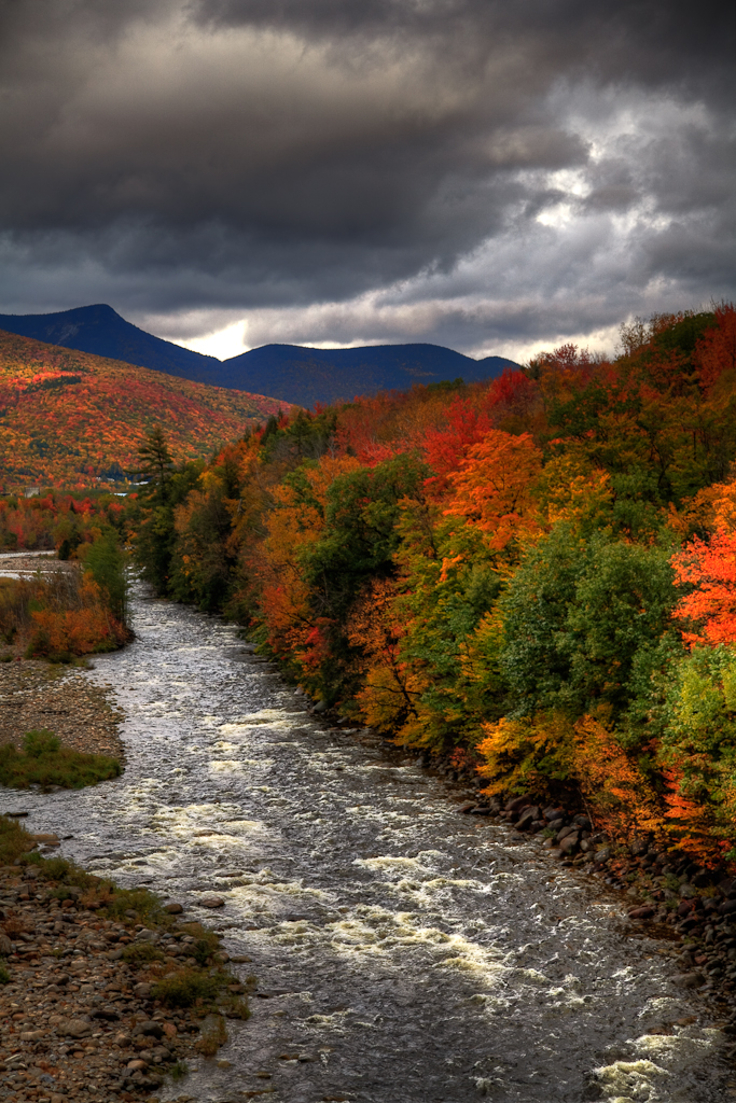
point(103, 990)
point(61, 614)
point(532, 579)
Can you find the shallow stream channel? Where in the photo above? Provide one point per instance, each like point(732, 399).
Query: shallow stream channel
point(404, 953)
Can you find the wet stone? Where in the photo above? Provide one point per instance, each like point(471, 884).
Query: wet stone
point(211, 901)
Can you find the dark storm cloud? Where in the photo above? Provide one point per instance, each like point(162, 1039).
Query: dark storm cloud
point(256, 154)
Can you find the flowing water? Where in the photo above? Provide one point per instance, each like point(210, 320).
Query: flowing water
point(404, 953)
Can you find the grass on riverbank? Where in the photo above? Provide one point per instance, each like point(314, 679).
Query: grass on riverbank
point(44, 762)
point(14, 841)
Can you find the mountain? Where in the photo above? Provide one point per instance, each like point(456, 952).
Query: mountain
point(101, 331)
point(68, 418)
point(302, 376)
point(309, 375)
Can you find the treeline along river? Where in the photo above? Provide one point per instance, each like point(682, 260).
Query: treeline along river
point(404, 953)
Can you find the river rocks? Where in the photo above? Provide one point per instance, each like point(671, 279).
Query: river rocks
point(569, 844)
point(645, 912)
point(173, 908)
point(211, 901)
point(50, 841)
point(514, 807)
point(528, 817)
point(150, 1029)
point(75, 1026)
point(37, 695)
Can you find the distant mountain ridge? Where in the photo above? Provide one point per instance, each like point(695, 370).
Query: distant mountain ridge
point(291, 373)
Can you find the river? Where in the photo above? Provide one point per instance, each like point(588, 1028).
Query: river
point(404, 953)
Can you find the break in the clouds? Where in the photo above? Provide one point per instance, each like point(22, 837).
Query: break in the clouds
point(492, 176)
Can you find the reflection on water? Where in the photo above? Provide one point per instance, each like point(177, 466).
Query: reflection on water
point(405, 954)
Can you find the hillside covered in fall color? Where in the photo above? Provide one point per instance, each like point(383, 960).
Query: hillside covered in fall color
point(534, 576)
point(69, 418)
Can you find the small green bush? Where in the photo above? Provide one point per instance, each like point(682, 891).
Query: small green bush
point(14, 840)
point(142, 953)
point(56, 869)
point(4, 974)
point(136, 906)
point(206, 943)
point(236, 1007)
point(187, 986)
point(44, 762)
point(38, 743)
point(213, 1035)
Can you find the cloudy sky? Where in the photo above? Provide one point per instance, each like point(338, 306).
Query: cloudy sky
point(491, 175)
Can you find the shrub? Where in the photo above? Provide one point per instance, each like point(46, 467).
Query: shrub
point(142, 953)
point(46, 763)
point(38, 743)
point(206, 942)
point(136, 906)
point(14, 840)
point(186, 987)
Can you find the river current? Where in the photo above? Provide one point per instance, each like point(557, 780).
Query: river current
point(404, 953)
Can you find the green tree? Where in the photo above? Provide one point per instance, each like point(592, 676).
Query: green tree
point(580, 617)
point(105, 560)
point(156, 463)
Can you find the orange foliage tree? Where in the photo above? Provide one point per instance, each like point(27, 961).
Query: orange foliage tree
point(295, 522)
point(711, 607)
point(492, 489)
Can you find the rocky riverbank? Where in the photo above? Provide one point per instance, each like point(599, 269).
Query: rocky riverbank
point(87, 1014)
point(36, 694)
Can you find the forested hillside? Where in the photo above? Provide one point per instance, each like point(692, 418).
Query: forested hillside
point(536, 576)
point(67, 418)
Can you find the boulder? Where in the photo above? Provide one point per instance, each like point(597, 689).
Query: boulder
point(516, 804)
point(689, 980)
point(527, 818)
point(212, 901)
point(570, 843)
point(73, 1028)
point(646, 911)
point(150, 1029)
